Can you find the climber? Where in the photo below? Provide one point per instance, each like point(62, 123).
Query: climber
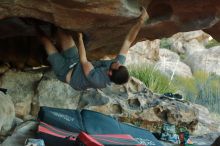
point(74, 68)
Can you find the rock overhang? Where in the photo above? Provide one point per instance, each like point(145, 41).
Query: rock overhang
point(105, 23)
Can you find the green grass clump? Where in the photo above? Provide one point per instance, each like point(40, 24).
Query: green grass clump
point(212, 43)
point(203, 89)
point(153, 79)
point(165, 43)
point(187, 87)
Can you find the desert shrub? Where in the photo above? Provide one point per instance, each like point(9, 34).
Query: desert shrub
point(187, 87)
point(212, 43)
point(153, 79)
point(165, 43)
point(203, 89)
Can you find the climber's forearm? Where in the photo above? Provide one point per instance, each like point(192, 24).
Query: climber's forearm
point(82, 51)
point(132, 34)
point(86, 65)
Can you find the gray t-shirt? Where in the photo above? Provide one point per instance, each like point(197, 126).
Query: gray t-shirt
point(97, 77)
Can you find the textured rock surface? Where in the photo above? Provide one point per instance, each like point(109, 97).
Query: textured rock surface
point(20, 134)
point(105, 22)
point(7, 113)
point(143, 52)
point(187, 42)
point(164, 60)
point(206, 139)
point(178, 113)
point(167, 55)
point(206, 60)
point(170, 68)
point(53, 93)
point(21, 87)
point(207, 123)
point(170, 64)
point(193, 46)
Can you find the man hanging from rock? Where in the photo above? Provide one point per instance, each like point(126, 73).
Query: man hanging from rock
point(71, 65)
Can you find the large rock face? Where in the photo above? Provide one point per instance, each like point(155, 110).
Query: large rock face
point(62, 96)
point(171, 65)
point(21, 87)
point(206, 60)
point(21, 133)
point(105, 22)
point(7, 113)
point(188, 42)
point(145, 52)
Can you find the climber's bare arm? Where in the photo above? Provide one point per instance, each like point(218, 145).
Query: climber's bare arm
point(87, 66)
point(132, 34)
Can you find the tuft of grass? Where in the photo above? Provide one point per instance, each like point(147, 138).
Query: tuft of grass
point(212, 43)
point(182, 56)
point(187, 87)
point(165, 43)
point(203, 89)
point(153, 79)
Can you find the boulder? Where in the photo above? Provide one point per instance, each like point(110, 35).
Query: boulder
point(205, 139)
point(193, 46)
point(185, 42)
point(177, 46)
point(176, 68)
point(145, 109)
point(21, 133)
point(145, 52)
point(7, 113)
point(206, 121)
point(21, 87)
point(170, 64)
point(167, 55)
point(199, 35)
point(54, 93)
point(114, 100)
point(178, 113)
point(132, 102)
point(206, 60)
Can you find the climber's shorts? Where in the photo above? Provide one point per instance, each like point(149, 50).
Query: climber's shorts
point(62, 62)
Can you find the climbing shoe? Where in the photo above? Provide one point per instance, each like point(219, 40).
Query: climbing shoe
point(172, 96)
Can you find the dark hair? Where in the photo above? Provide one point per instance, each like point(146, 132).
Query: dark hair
point(120, 75)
